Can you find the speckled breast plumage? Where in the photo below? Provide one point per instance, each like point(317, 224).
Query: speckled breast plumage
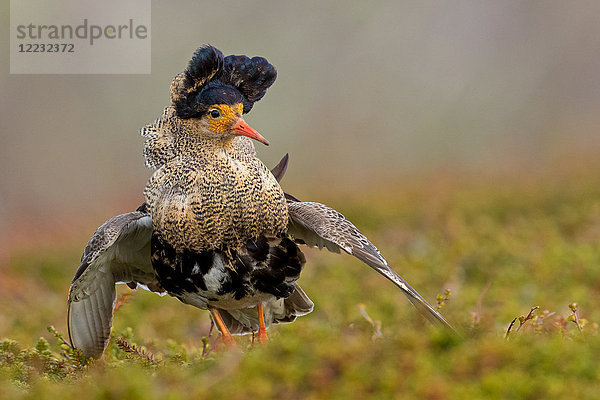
point(219, 203)
point(219, 219)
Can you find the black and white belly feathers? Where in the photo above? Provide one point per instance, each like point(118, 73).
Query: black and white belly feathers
point(231, 278)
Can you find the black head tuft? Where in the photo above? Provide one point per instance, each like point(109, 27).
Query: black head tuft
point(211, 78)
point(205, 63)
point(217, 92)
point(251, 76)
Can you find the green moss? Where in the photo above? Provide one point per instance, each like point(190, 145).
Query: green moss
point(501, 249)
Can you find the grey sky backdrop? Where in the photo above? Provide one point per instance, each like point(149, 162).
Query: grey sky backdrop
point(380, 88)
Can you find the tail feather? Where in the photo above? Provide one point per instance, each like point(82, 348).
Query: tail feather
point(297, 305)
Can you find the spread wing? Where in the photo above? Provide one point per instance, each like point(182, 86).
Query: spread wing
point(119, 251)
point(320, 226)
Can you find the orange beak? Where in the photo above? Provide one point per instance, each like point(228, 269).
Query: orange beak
point(241, 128)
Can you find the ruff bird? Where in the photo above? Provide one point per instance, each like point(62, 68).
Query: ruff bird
point(216, 230)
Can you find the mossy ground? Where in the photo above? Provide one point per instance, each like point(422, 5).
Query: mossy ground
point(500, 245)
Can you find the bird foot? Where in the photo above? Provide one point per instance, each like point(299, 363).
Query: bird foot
point(262, 336)
point(228, 341)
point(225, 335)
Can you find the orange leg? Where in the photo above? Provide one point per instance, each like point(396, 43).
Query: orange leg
point(262, 330)
point(227, 338)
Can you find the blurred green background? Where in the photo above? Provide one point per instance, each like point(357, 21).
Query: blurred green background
point(462, 137)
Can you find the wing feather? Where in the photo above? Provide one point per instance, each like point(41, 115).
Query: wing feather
point(119, 251)
point(320, 226)
point(278, 171)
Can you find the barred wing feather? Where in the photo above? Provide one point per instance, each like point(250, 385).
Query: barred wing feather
point(119, 251)
point(318, 225)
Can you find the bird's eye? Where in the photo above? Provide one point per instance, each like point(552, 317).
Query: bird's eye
point(215, 113)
